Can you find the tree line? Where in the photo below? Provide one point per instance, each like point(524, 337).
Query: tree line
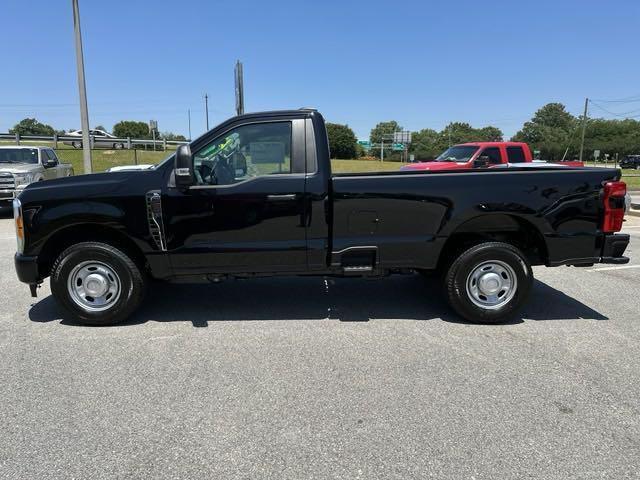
point(552, 130)
point(122, 129)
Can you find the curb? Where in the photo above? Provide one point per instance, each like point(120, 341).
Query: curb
point(633, 213)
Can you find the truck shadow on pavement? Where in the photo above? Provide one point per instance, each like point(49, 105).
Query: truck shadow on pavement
point(311, 298)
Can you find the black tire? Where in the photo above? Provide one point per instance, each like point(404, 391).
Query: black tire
point(118, 146)
point(76, 144)
point(131, 280)
point(459, 273)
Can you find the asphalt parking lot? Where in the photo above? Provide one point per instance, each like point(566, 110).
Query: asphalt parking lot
point(313, 378)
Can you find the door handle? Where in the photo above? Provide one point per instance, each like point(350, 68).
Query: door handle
point(290, 196)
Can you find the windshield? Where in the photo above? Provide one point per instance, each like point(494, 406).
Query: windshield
point(457, 154)
point(18, 155)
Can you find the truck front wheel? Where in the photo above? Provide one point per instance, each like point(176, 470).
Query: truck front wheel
point(488, 282)
point(97, 283)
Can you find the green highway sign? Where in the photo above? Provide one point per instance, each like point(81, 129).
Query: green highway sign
point(397, 147)
point(366, 144)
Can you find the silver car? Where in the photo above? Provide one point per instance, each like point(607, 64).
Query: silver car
point(101, 139)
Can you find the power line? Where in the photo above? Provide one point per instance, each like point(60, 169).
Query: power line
point(630, 99)
point(619, 114)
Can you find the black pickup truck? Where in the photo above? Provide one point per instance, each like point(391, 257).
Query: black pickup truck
point(255, 196)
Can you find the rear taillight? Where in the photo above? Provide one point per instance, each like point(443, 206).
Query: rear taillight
point(613, 198)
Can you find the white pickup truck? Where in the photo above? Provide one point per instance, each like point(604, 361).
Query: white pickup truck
point(22, 165)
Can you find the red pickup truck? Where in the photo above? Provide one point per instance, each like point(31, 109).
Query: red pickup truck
point(481, 155)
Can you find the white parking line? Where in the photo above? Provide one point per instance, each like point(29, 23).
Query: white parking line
point(621, 267)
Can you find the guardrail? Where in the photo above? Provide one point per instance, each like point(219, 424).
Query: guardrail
point(76, 141)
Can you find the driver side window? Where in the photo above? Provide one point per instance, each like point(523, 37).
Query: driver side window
point(243, 153)
point(50, 155)
point(493, 154)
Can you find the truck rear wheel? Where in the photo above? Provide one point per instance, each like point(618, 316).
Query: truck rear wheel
point(488, 283)
point(97, 283)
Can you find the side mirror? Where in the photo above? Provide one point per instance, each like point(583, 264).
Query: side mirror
point(183, 166)
point(50, 163)
point(482, 161)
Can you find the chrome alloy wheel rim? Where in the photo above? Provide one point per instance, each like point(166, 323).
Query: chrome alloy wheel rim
point(492, 284)
point(94, 286)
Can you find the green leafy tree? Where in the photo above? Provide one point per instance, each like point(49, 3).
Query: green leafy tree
point(131, 128)
point(173, 136)
point(490, 134)
point(342, 141)
point(31, 126)
point(610, 137)
point(384, 130)
point(552, 130)
point(426, 144)
point(554, 115)
point(460, 132)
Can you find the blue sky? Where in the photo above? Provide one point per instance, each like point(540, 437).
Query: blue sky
point(421, 63)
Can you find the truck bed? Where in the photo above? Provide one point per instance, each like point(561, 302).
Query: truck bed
point(406, 216)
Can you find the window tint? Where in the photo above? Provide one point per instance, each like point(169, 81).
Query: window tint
point(245, 152)
point(494, 155)
point(515, 155)
point(461, 153)
point(51, 155)
point(18, 155)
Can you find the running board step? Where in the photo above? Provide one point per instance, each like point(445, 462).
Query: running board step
point(358, 269)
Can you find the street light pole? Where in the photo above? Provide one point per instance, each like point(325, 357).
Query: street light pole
point(84, 111)
point(189, 115)
point(239, 88)
point(206, 109)
point(584, 126)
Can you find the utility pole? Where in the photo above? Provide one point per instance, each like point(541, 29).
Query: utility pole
point(206, 108)
point(584, 125)
point(189, 115)
point(239, 88)
point(382, 148)
point(84, 111)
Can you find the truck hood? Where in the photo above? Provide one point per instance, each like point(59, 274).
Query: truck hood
point(96, 185)
point(435, 166)
point(20, 168)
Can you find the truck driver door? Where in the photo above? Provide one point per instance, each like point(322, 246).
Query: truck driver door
point(246, 209)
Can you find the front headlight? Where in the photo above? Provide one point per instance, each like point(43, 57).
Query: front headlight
point(17, 216)
point(23, 178)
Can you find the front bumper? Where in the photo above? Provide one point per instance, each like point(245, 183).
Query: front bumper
point(27, 269)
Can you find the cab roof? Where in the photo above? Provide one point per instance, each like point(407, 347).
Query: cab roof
point(494, 144)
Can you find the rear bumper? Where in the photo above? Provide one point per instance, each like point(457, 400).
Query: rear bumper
point(27, 269)
point(609, 248)
point(613, 249)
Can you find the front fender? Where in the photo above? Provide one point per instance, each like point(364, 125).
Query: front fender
point(42, 223)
